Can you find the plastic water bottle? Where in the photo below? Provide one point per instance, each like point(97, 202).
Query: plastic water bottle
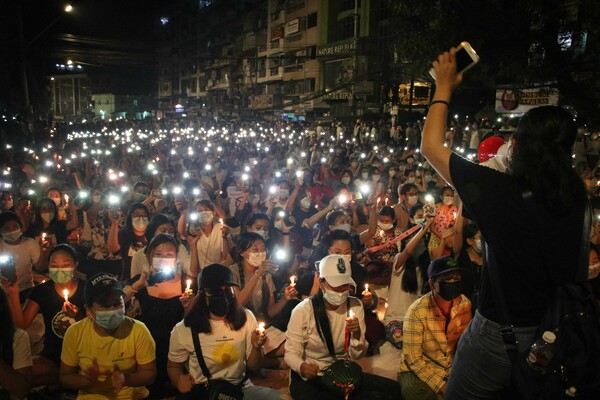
point(542, 352)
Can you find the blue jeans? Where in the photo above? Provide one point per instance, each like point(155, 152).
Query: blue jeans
point(481, 367)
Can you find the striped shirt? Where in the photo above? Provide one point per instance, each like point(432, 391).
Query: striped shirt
point(430, 339)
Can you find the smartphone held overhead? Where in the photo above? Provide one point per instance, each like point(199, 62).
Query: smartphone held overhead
point(466, 57)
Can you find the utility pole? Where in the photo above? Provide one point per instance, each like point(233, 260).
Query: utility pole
point(355, 71)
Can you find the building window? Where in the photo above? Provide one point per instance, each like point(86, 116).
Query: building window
point(311, 20)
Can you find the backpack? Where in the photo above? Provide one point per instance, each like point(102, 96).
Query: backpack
point(573, 316)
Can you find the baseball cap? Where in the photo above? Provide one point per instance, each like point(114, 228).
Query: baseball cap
point(441, 266)
point(336, 270)
point(214, 276)
point(99, 286)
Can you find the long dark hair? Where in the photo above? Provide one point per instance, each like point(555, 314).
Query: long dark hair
point(542, 157)
point(323, 249)
point(415, 266)
point(7, 329)
point(323, 326)
point(469, 232)
point(156, 221)
point(198, 315)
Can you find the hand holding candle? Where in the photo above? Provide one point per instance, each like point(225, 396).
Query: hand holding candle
point(352, 324)
point(261, 328)
point(367, 297)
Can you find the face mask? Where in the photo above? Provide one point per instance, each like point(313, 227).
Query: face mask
point(56, 200)
point(354, 164)
point(419, 221)
point(427, 178)
point(173, 163)
point(410, 179)
point(96, 198)
point(335, 298)
point(409, 160)
point(263, 233)
point(392, 173)
point(477, 246)
point(412, 200)
point(218, 305)
point(365, 175)
point(284, 193)
point(376, 178)
point(12, 236)
point(278, 224)
point(343, 227)
point(47, 216)
point(345, 180)
point(60, 275)
point(111, 319)
point(449, 290)
point(385, 227)
point(448, 200)
point(305, 203)
point(8, 204)
point(139, 197)
point(139, 223)
point(205, 217)
point(256, 259)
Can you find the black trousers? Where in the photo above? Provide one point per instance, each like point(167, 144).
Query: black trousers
point(373, 387)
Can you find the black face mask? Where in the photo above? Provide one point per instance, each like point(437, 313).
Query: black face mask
point(218, 305)
point(450, 290)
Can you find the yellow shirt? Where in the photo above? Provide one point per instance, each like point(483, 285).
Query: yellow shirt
point(130, 346)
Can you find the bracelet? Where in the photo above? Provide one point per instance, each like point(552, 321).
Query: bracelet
point(440, 102)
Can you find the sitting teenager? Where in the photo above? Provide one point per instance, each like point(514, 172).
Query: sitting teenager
point(227, 336)
point(107, 355)
point(432, 326)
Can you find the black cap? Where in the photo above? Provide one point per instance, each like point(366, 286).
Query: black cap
point(100, 286)
point(441, 266)
point(214, 276)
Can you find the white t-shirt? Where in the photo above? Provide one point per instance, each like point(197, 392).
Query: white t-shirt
point(26, 254)
point(398, 299)
point(225, 351)
point(139, 262)
point(211, 247)
point(303, 343)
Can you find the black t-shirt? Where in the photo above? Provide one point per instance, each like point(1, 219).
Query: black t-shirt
point(494, 200)
point(129, 245)
point(55, 320)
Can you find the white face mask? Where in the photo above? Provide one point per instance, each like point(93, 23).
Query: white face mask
point(256, 259)
point(139, 223)
point(205, 217)
point(284, 194)
point(278, 224)
point(343, 227)
point(345, 180)
point(335, 298)
point(305, 203)
point(448, 200)
point(365, 175)
point(427, 178)
point(12, 236)
point(56, 200)
point(412, 200)
point(410, 179)
point(376, 178)
point(47, 216)
point(263, 233)
point(385, 227)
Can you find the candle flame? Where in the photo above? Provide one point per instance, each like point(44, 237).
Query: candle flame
point(66, 294)
point(351, 314)
point(188, 284)
point(367, 287)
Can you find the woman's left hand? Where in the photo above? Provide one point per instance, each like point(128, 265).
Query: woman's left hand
point(258, 339)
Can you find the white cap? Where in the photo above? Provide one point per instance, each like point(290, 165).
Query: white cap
point(336, 270)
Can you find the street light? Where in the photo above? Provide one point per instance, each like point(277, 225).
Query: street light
point(25, 46)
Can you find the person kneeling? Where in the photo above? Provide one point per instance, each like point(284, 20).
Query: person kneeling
point(432, 326)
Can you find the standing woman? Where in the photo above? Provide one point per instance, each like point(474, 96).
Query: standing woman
point(540, 163)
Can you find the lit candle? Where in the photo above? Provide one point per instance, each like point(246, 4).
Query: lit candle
point(293, 280)
point(66, 294)
point(261, 328)
point(188, 284)
point(44, 237)
point(351, 314)
point(221, 221)
point(386, 201)
point(66, 199)
point(366, 287)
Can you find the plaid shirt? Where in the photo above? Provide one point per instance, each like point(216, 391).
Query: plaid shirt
point(430, 340)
